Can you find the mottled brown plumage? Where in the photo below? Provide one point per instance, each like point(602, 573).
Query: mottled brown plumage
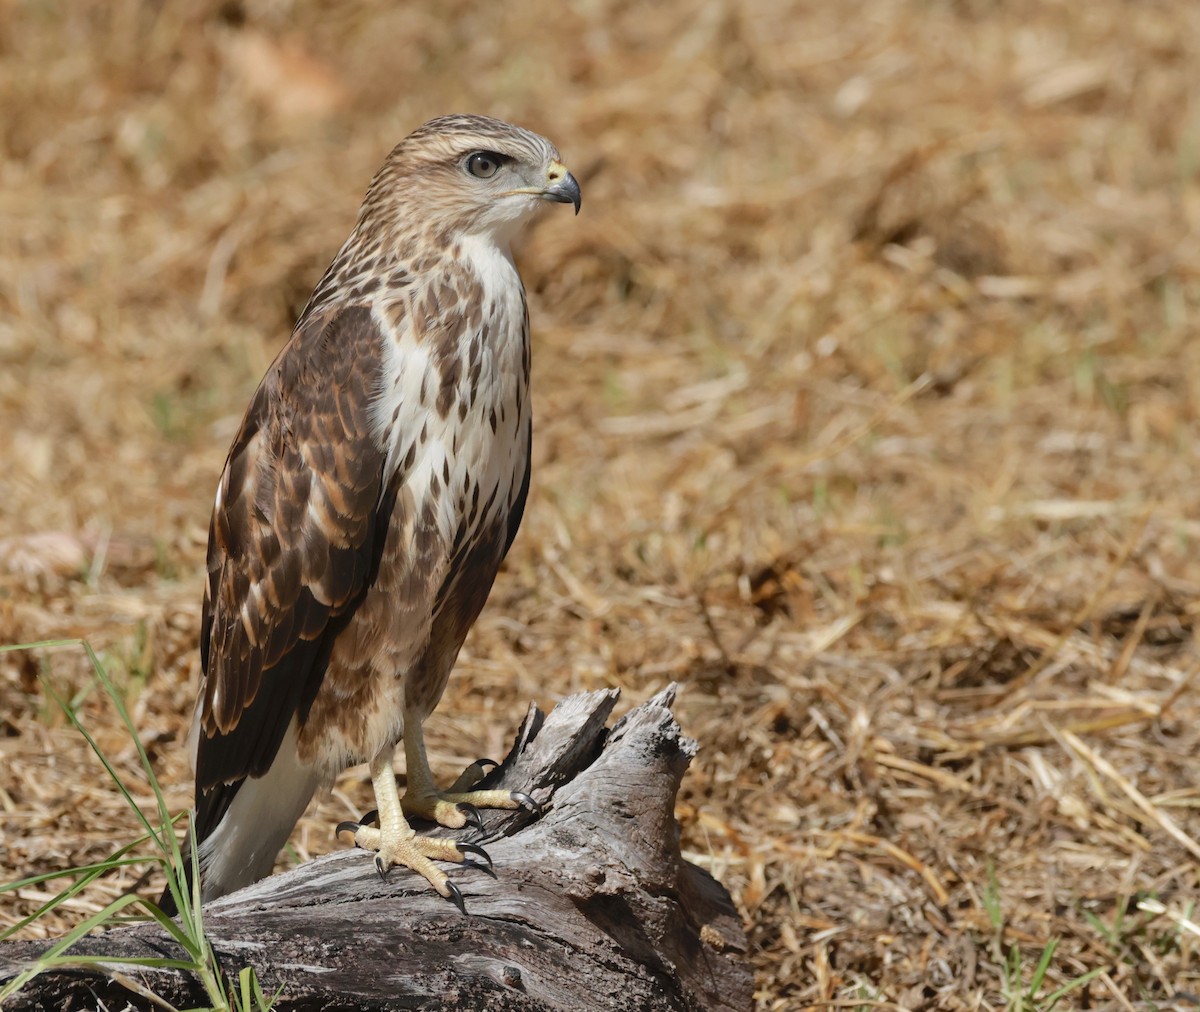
point(376, 483)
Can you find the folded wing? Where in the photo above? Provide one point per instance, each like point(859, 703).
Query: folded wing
point(296, 537)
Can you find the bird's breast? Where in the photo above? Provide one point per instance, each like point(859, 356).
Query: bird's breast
point(453, 404)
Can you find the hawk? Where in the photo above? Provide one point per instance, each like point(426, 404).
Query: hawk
point(376, 483)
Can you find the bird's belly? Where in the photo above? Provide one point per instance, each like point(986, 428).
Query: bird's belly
point(445, 539)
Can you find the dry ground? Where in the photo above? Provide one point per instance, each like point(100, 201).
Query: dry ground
point(866, 400)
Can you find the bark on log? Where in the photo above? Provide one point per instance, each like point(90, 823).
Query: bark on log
point(592, 905)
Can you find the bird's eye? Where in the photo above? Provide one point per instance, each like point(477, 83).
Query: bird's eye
point(484, 164)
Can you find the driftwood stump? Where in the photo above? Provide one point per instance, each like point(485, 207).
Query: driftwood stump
point(592, 905)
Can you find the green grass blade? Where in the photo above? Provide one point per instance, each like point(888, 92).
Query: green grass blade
point(73, 717)
point(49, 958)
point(188, 931)
point(9, 648)
point(155, 962)
point(165, 822)
point(91, 873)
point(115, 860)
point(1043, 964)
point(1054, 997)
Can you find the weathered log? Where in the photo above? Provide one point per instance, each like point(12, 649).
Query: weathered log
point(591, 906)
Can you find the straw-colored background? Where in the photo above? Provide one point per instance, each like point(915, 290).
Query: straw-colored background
point(866, 408)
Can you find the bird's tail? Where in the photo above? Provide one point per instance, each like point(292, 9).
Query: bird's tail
point(242, 847)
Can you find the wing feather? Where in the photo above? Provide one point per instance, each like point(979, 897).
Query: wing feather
point(294, 546)
point(518, 506)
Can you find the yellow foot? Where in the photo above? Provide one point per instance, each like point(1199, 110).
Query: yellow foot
point(415, 852)
point(455, 810)
point(460, 805)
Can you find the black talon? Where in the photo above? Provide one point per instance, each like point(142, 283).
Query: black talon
point(470, 848)
point(346, 827)
point(371, 816)
point(455, 897)
point(474, 774)
point(521, 798)
point(472, 814)
point(383, 872)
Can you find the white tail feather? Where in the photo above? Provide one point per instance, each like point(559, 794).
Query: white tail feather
point(243, 847)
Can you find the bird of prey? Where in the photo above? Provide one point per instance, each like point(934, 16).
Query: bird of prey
point(375, 485)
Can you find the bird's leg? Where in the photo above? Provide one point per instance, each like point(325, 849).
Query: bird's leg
point(395, 843)
point(456, 807)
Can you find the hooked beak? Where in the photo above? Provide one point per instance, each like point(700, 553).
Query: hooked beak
point(563, 186)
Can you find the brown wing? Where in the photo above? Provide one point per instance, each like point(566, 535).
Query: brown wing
point(294, 546)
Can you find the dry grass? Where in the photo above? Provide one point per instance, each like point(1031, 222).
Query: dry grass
point(866, 398)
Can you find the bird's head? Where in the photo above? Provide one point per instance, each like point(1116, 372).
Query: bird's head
point(468, 176)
